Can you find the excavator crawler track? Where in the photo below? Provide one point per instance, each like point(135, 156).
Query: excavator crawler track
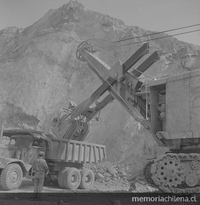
point(175, 173)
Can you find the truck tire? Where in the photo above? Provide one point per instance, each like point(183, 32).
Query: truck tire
point(11, 177)
point(87, 179)
point(61, 177)
point(72, 178)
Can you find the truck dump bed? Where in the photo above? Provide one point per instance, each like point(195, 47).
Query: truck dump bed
point(75, 151)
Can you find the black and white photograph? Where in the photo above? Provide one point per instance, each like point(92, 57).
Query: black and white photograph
point(99, 102)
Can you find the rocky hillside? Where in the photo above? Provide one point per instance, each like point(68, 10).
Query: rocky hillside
point(39, 74)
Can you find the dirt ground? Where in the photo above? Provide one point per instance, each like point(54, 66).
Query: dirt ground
point(110, 186)
point(27, 187)
point(102, 194)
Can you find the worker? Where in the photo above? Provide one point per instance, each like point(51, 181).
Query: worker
point(40, 169)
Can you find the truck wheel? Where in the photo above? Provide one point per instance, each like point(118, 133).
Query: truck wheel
point(72, 178)
point(87, 179)
point(11, 177)
point(61, 177)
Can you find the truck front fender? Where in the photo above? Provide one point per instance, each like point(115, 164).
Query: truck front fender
point(5, 161)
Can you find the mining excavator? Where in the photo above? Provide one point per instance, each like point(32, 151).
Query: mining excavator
point(73, 122)
point(168, 107)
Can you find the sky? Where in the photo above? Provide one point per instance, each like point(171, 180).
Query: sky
point(153, 15)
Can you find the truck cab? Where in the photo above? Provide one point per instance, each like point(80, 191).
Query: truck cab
point(18, 149)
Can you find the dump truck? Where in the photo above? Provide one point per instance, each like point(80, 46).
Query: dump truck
point(65, 158)
point(169, 108)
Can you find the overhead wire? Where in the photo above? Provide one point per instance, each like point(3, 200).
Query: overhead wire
point(146, 39)
point(175, 29)
point(157, 38)
point(151, 34)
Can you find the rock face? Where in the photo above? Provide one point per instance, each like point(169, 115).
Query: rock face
point(39, 74)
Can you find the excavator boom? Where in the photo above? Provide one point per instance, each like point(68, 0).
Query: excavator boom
point(118, 81)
